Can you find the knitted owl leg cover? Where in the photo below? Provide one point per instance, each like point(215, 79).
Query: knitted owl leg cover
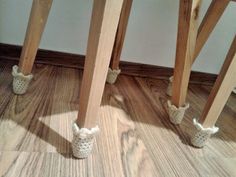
point(20, 81)
point(202, 134)
point(176, 115)
point(169, 88)
point(112, 75)
point(83, 139)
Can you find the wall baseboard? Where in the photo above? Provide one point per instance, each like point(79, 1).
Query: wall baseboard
point(12, 52)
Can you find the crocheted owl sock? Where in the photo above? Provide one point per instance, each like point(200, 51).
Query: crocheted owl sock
point(83, 139)
point(112, 75)
point(202, 134)
point(20, 81)
point(176, 115)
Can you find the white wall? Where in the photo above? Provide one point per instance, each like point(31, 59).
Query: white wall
point(151, 34)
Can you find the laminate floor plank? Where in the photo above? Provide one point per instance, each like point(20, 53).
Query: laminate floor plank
point(136, 138)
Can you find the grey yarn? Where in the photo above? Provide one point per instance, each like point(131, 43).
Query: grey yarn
point(112, 75)
point(202, 134)
point(20, 81)
point(176, 115)
point(83, 139)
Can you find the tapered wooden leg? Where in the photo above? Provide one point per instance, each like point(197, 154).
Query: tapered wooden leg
point(38, 18)
point(212, 16)
point(208, 23)
point(104, 22)
point(120, 34)
point(219, 95)
point(114, 69)
point(186, 39)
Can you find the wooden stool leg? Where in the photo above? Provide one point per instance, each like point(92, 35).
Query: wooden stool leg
point(104, 22)
point(212, 16)
point(114, 69)
point(218, 97)
point(38, 18)
point(186, 39)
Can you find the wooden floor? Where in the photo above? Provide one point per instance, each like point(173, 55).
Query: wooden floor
point(136, 138)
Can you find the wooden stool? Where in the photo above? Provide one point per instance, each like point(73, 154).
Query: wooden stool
point(190, 41)
point(105, 42)
point(103, 27)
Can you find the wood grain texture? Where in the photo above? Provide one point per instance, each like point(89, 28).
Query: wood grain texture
point(55, 58)
point(221, 90)
point(38, 17)
point(212, 16)
point(136, 138)
point(185, 47)
point(103, 26)
point(120, 34)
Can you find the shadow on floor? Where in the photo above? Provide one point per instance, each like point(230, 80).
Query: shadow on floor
point(55, 90)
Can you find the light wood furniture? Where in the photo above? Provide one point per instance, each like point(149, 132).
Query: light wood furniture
point(102, 33)
point(35, 130)
point(120, 34)
point(186, 40)
point(211, 18)
point(103, 27)
point(37, 21)
point(190, 40)
point(191, 49)
point(222, 89)
point(114, 70)
point(105, 41)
